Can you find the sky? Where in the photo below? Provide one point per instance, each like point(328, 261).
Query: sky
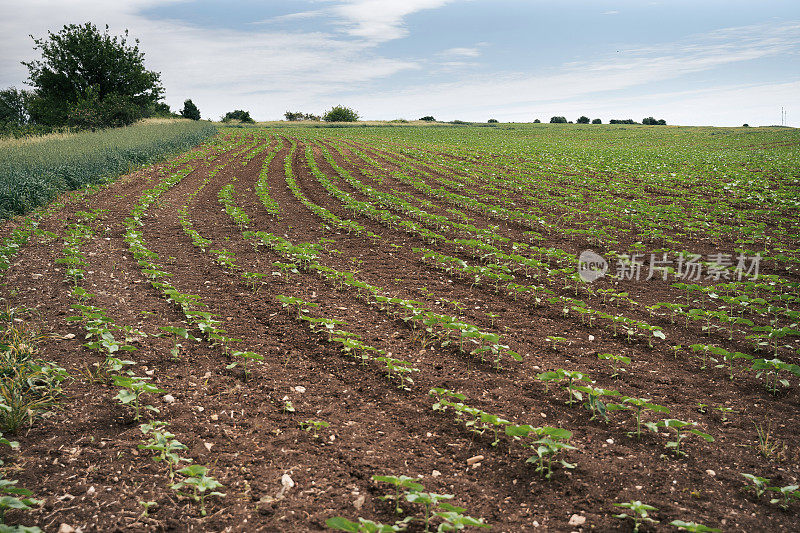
point(690, 62)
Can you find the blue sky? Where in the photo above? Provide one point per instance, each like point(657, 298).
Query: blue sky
point(701, 62)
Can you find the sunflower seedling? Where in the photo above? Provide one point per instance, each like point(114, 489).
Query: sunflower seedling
point(363, 525)
point(163, 444)
point(429, 500)
point(682, 430)
point(637, 405)
point(245, 357)
point(786, 495)
point(693, 527)
point(177, 334)
point(758, 484)
point(639, 515)
point(615, 361)
point(133, 388)
point(203, 485)
point(314, 425)
point(399, 482)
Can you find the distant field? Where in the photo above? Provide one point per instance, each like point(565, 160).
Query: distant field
point(318, 306)
point(34, 170)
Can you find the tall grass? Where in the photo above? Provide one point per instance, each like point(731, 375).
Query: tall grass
point(33, 173)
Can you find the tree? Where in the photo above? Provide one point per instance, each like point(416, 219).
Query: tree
point(14, 107)
point(650, 121)
point(558, 120)
point(238, 114)
point(82, 69)
point(597, 121)
point(292, 116)
point(492, 121)
point(583, 120)
point(190, 110)
point(745, 125)
point(340, 114)
point(537, 121)
point(428, 118)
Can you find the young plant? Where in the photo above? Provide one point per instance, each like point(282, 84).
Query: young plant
point(245, 357)
point(546, 450)
point(196, 477)
point(786, 495)
point(555, 341)
point(639, 516)
point(314, 425)
point(164, 445)
point(682, 431)
point(614, 361)
point(637, 405)
point(133, 388)
point(363, 525)
point(429, 500)
point(693, 527)
point(399, 482)
point(13, 497)
point(177, 334)
point(758, 484)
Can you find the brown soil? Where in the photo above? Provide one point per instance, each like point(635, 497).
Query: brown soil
point(83, 460)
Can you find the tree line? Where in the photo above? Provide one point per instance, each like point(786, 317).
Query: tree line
point(647, 121)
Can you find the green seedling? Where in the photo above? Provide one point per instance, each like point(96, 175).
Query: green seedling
point(254, 279)
point(455, 519)
point(614, 361)
point(177, 334)
point(546, 450)
point(757, 484)
point(399, 482)
point(771, 370)
point(593, 403)
point(164, 445)
point(571, 376)
point(133, 388)
point(555, 341)
point(637, 405)
point(314, 425)
point(682, 431)
point(693, 527)
point(639, 516)
point(147, 506)
point(14, 497)
point(787, 494)
point(724, 411)
point(363, 525)
point(288, 407)
point(245, 357)
point(429, 500)
point(203, 485)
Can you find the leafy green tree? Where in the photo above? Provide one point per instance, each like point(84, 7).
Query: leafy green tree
point(558, 120)
point(340, 114)
point(13, 106)
point(428, 118)
point(583, 120)
point(492, 121)
point(82, 68)
point(238, 114)
point(537, 121)
point(190, 110)
point(597, 121)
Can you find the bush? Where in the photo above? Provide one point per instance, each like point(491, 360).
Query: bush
point(190, 110)
point(558, 120)
point(650, 121)
point(428, 118)
point(340, 114)
point(745, 125)
point(621, 121)
point(492, 121)
point(583, 120)
point(14, 107)
point(238, 114)
point(597, 121)
point(537, 121)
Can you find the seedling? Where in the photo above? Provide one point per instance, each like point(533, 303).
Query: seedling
point(614, 361)
point(203, 485)
point(456, 520)
point(254, 279)
point(571, 376)
point(401, 482)
point(177, 333)
point(786, 495)
point(245, 357)
point(147, 506)
point(693, 527)
point(555, 341)
point(771, 369)
point(11, 500)
point(682, 430)
point(767, 446)
point(164, 445)
point(546, 450)
point(429, 500)
point(288, 407)
point(133, 388)
point(363, 525)
point(637, 406)
point(758, 484)
point(314, 425)
point(639, 515)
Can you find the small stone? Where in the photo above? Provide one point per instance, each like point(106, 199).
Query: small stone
point(711, 473)
point(215, 417)
point(359, 502)
point(300, 389)
point(69, 336)
point(168, 398)
point(91, 490)
point(208, 445)
point(476, 459)
point(639, 487)
point(591, 337)
point(150, 373)
point(66, 528)
point(610, 441)
point(436, 473)
point(577, 520)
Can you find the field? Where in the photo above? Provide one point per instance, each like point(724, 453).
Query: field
point(307, 308)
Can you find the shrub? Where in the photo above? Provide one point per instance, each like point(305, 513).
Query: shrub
point(537, 121)
point(340, 114)
point(492, 121)
point(621, 121)
point(190, 110)
point(745, 125)
point(238, 114)
point(428, 118)
point(583, 120)
point(597, 121)
point(558, 120)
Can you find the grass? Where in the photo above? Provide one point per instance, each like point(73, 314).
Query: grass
point(38, 169)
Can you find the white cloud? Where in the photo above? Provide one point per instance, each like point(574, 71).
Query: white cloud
point(381, 20)
point(461, 52)
point(612, 12)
